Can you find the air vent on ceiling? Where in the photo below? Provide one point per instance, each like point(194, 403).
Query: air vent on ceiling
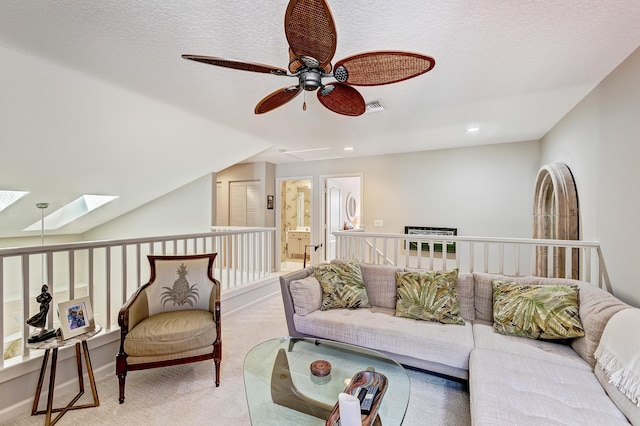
point(374, 106)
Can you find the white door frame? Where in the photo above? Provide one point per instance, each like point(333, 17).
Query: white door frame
point(323, 201)
point(278, 207)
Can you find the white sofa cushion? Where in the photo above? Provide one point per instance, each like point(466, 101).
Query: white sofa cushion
point(596, 308)
point(466, 296)
point(306, 295)
point(486, 338)
point(380, 282)
point(507, 390)
point(380, 329)
point(631, 410)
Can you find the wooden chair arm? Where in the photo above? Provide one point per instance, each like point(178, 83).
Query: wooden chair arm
point(123, 314)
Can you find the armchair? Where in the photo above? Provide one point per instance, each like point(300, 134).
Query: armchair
point(172, 319)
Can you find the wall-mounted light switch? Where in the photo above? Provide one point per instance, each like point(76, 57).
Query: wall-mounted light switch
point(378, 222)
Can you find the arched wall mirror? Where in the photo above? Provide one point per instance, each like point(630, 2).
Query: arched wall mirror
point(351, 206)
point(556, 216)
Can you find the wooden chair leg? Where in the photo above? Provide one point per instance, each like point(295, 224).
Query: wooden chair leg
point(217, 364)
point(121, 380)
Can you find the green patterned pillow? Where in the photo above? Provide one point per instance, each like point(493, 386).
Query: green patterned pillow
point(342, 286)
point(431, 296)
point(536, 311)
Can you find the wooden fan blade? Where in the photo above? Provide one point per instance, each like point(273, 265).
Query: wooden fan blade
point(342, 99)
point(237, 65)
point(310, 30)
point(277, 98)
point(381, 67)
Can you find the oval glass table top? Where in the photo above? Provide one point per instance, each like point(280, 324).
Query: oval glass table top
point(281, 389)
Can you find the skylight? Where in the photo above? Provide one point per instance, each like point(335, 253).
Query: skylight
point(9, 197)
point(72, 211)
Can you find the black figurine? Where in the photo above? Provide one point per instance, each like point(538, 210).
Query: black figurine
point(39, 320)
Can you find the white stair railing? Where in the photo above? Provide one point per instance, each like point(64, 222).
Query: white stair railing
point(110, 271)
point(510, 256)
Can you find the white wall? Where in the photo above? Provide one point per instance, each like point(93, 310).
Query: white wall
point(187, 210)
point(64, 134)
point(599, 141)
point(482, 191)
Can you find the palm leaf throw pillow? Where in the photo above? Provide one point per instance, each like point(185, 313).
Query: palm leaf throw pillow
point(536, 311)
point(431, 296)
point(342, 286)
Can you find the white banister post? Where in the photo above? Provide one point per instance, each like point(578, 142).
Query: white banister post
point(25, 303)
point(124, 276)
point(50, 282)
point(72, 273)
point(486, 257)
point(108, 285)
point(588, 252)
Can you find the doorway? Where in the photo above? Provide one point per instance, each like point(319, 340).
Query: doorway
point(294, 223)
point(342, 209)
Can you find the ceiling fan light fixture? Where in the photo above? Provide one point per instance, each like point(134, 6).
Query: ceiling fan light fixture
point(326, 90)
point(310, 80)
point(341, 74)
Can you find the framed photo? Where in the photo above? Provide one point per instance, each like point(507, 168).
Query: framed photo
point(76, 317)
point(269, 202)
point(431, 231)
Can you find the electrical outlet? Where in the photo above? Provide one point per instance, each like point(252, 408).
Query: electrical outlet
point(378, 222)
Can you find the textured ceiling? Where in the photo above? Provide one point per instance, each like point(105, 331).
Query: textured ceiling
point(511, 68)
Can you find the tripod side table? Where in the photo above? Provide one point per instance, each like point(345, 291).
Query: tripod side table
point(51, 347)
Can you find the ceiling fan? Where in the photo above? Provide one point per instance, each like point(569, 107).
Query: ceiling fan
point(312, 37)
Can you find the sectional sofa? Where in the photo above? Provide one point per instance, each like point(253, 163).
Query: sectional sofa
point(512, 379)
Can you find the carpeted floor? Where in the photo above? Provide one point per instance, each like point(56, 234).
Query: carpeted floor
point(186, 394)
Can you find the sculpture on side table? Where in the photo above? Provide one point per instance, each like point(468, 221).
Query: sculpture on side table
point(39, 320)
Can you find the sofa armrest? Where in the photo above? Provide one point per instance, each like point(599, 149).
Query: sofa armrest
point(287, 300)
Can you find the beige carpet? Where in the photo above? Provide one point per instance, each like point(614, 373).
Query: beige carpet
point(186, 394)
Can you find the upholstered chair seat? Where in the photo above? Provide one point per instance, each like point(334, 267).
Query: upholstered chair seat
point(171, 335)
point(172, 319)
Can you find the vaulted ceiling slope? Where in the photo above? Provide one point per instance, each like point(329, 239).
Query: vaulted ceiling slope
point(97, 100)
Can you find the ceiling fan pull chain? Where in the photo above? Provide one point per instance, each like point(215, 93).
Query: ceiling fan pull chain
point(304, 102)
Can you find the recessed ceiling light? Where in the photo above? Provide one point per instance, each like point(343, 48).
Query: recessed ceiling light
point(348, 148)
point(473, 129)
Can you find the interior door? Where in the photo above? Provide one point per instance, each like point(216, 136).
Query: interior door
point(334, 199)
point(244, 201)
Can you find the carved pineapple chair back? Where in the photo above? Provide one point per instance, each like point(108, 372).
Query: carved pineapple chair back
point(172, 319)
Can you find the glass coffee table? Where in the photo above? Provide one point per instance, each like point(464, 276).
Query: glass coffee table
point(282, 391)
